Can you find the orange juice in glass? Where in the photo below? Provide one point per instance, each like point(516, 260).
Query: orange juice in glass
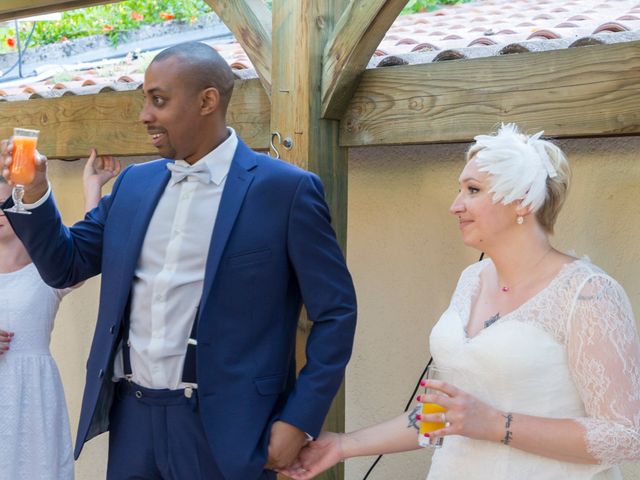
point(23, 165)
point(23, 158)
point(429, 409)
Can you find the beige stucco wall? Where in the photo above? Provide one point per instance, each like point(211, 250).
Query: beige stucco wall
point(405, 255)
point(75, 322)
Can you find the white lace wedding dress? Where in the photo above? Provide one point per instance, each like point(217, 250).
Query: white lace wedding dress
point(35, 440)
point(571, 351)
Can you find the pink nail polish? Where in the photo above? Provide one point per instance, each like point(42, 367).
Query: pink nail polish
point(423, 383)
point(418, 397)
point(418, 417)
point(426, 435)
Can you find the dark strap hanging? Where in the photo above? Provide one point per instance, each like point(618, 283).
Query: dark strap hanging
point(189, 368)
point(126, 344)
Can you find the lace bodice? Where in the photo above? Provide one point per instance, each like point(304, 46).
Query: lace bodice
point(589, 315)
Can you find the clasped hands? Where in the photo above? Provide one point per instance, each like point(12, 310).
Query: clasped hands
point(465, 415)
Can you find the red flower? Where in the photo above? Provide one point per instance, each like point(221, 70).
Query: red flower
point(107, 28)
point(10, 42)
point(167, 16)
point(137, 16)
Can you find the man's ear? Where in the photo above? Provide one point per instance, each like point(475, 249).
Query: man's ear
point(210, 100)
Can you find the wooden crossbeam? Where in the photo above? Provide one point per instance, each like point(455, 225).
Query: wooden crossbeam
point(355, 38)
point(10, 9)
point(583, 91)
point(250, 23)
point(71, 125)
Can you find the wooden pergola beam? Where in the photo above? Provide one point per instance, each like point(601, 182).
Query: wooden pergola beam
point(250, 23)
point(575, 92)
point(10, 9)
point(354, 40)
point(586, 91)
point(71, 125)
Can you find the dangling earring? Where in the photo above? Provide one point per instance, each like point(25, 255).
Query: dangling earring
point(520, 220)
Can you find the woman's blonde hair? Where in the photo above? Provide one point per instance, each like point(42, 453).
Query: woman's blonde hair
point(509, 145)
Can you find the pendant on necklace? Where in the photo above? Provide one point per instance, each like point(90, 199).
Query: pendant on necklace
point(505, 288)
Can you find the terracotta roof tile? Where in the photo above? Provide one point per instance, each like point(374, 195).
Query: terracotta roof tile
point(513, 26)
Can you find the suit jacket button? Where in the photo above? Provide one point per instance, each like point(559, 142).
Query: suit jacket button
point(101, 373)
point(112, 329)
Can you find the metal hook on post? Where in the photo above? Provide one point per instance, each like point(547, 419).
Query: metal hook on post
point(273, 147)
point(286, 143)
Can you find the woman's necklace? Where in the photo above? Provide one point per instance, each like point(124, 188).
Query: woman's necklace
point(507, 288)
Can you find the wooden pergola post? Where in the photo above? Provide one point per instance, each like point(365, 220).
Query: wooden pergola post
point(318, 49)
point(301, 29)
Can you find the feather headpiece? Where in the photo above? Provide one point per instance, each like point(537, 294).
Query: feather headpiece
point(518, 166)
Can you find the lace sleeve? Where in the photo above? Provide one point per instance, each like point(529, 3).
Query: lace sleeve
point(604, 355)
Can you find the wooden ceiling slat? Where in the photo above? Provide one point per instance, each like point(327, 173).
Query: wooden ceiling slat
point(73, 124)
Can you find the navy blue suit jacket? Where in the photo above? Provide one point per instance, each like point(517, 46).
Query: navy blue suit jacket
point(272, 250)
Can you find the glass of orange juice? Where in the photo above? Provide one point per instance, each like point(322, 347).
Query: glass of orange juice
point(433, 373)
point(23, 165)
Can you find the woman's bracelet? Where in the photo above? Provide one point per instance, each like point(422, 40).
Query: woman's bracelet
point(507, 425)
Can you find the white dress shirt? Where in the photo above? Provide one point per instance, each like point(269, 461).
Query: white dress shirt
point(169, 276)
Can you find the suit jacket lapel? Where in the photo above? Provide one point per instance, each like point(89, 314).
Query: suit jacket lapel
point(238, 180)
point(146, 198)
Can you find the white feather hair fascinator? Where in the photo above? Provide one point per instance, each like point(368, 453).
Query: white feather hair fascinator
point(518, 166)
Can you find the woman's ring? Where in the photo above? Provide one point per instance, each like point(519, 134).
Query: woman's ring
point(443, 416)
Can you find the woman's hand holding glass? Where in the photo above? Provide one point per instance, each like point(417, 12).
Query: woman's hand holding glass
point(464, 414)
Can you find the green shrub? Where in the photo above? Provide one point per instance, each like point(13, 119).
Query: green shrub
point(414, 6)
point(111, 20)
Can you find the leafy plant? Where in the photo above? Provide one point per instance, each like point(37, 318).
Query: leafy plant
point(111, 20)
point(414, 6)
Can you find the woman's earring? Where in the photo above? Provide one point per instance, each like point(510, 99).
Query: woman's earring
point(520, 220)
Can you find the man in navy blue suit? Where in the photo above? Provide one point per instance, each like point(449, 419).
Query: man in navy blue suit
point(206, 256)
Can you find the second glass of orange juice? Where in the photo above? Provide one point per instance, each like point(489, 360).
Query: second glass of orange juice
point(431, 408)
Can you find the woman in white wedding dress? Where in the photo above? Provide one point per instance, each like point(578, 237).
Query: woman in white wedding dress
point(540, 349)
point(35, 441)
